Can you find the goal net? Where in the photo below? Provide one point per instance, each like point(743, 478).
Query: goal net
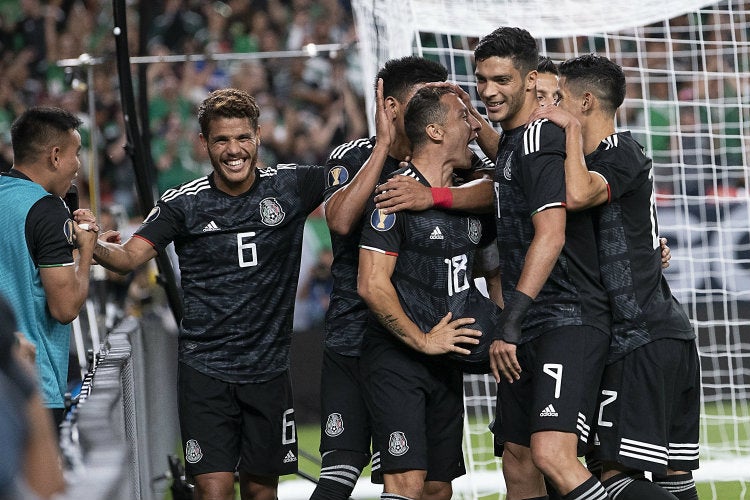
point(688, 102)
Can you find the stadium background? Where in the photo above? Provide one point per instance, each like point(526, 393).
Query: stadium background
point(310, 64)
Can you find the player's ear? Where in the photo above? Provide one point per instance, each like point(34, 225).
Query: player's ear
point(531, 77)
point(204, 141)
point(257, 137)
point(434, 131)
point(587, 101)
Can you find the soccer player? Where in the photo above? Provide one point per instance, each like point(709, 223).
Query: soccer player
point(353, 170)
point(238, 235)
point(650, 394)
point(415, 274)
point(40, 275)
point(546, 82)
point(556, 312)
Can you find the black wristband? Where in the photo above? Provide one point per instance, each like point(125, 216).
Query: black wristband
point(517, 304)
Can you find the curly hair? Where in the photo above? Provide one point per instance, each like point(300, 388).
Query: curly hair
point(227, 103)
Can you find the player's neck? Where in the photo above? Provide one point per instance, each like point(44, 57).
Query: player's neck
point(400, 148)
point(595, 129)
point(437, 173)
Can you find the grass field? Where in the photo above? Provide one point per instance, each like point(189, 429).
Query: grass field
point(724, 430)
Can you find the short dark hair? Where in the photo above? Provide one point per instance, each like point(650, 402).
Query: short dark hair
point(37, 128)
point(547, 65)
point(424, 108)
point(400, 75)
point(227, 103)
point(514, 43)
point(598, 74)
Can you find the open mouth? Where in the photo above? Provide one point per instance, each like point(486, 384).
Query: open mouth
point(234, 165)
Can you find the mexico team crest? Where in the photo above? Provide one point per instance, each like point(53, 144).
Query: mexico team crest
point(334, 425)
point(337, 175)
point(271, 213)
point(475, 230)
point(193, 451)
point(397, 444)
point(381, 221)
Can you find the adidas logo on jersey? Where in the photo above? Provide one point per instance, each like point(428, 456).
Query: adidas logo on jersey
point(211, 226)
point(290, 457)
point(436, 234)
point(549, 411)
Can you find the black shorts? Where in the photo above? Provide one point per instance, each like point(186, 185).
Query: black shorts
point(344, 420)
point(560, 375)
point(649, 409)
point(416, 406)
point(227, 426)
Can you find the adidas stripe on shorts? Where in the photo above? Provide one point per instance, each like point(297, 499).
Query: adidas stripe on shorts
point(650, 408)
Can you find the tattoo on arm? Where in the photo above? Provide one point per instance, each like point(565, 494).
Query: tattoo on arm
point(391, 324)
point(101, 251)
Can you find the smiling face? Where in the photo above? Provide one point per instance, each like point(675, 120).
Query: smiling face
point(503, 90)
point(232, 146)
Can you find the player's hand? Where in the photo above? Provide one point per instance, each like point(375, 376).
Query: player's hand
point(402, 192)
point(503, 361)
point(446, 334)
point(556, 115)
point(111, 236)
point(666, 253)
point(385, 120)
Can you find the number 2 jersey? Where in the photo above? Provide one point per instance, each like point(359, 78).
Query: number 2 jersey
point(530, 178)
point(239, 259)
point(643, 308)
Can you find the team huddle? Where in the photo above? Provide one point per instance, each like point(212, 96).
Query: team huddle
point(592, 354)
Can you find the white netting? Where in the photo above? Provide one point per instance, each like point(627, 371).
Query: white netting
point(688, 102)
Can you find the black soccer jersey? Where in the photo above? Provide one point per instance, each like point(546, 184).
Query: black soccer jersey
point(435, 249)
point(347, 313)
point(643, 308)
point(529, 178)
point(346, 317)
point(239, 261)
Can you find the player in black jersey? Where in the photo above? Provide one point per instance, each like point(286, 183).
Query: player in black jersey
point(650, 395)
point(556, 310)
point(415, 274)
point(353, 170)
point(238, 235)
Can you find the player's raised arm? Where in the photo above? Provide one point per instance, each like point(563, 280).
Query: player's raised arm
point(123, 258)
point(344, 208)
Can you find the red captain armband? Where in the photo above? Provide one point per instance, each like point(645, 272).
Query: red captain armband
point(442, 197)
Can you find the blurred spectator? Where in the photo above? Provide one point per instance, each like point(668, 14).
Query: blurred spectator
point(314, 293)
point(30, 467)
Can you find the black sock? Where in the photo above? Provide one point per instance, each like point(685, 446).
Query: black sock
point(338, 474)
point(634, 486)
point(590, 489)
point(680, 485)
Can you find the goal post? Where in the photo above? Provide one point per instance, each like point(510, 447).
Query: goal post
point(687, 64)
